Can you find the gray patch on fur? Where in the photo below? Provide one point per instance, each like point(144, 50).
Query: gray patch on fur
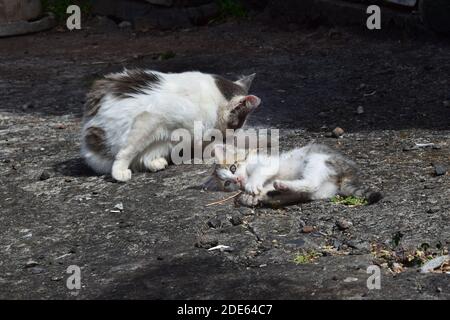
point(121, 86)
point(228, 88)
point(95, 139)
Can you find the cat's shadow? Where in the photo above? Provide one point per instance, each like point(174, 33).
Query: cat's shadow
point(75, 167)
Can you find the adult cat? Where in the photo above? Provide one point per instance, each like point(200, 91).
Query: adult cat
point(129, 116)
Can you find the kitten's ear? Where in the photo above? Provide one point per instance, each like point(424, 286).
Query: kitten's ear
point(246, 82)
point(212, 184)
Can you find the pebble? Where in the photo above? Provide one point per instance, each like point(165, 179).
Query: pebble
point(236, 219)
point(434, 263)
point(125, 24)
point(119, 206)
point(207, 241)
point(37, 270)
point(337, 132)
point(433, 209)
point(27, 106)
point(31, 264)
point(360, 110)
point(446, 103)
point(307, 229)
point(45, 175)
point(439, 169)
point(343, 224)
point(350, 279)
point(214, 223)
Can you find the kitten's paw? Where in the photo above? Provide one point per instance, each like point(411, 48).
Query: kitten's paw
point(248, 200)
point(121, 175)
point(280, 186)
point(254, 188)
point(157, 164)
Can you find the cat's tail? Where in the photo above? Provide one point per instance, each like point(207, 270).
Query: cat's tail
point(355, 188)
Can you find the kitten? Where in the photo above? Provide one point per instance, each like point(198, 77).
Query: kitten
point(129, 116)
point(303, 174)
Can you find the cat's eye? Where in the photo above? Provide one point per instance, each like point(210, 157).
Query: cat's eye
point(227, 183)
point(233, 168)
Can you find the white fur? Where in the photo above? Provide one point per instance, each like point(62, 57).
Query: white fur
point(139, 128)
point(298, 170)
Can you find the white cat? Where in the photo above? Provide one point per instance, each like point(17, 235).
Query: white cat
point(308, 173)
point(129, 116)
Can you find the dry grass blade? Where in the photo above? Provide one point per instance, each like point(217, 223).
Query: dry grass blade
point(224, 200)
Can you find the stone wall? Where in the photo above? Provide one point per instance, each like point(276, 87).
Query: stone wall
point(19, 10)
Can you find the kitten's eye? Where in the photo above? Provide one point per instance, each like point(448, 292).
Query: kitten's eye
point(227, 183)
point(233, 168)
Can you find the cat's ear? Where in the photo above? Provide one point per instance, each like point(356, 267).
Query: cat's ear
point(212, 184)
point(251, 101)
point(246, 82)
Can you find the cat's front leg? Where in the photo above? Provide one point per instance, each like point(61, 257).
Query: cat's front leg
point(249, 200)
point(157, 164)
point(141, 135)
point(254, 186)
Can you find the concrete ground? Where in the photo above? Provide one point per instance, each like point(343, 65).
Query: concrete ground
point(54, 212)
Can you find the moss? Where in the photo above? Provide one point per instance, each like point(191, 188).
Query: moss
point(349, 201)
point(306, 257)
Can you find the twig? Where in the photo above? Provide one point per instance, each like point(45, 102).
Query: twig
point(224, 200)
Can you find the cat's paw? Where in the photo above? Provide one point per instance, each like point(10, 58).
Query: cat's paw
point(248, 200)
point(121, 175)
point(253, 188)
point(280, 186)
point(157, 164)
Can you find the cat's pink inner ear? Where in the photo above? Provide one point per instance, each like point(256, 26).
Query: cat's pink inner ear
point(252, 101)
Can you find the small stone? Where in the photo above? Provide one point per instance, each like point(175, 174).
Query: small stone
point(446, 103)
point(433, 209)
point(360, 110)
point(45, 175)
point(439, 289)
point(207, 241)
point(236, 219)
point(307, 229)
point(350, 279)
point(27, 106)
point(37, 270)
point(125, 25)
point(397, 267)
point(119, 206)
point(31, 264)
point(337, 132)
point(434, 264)
point(214, 223)
point(439, 169)
point(343, 224)
point(56, 278)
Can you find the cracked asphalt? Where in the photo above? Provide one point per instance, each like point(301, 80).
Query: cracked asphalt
point(54, 212)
